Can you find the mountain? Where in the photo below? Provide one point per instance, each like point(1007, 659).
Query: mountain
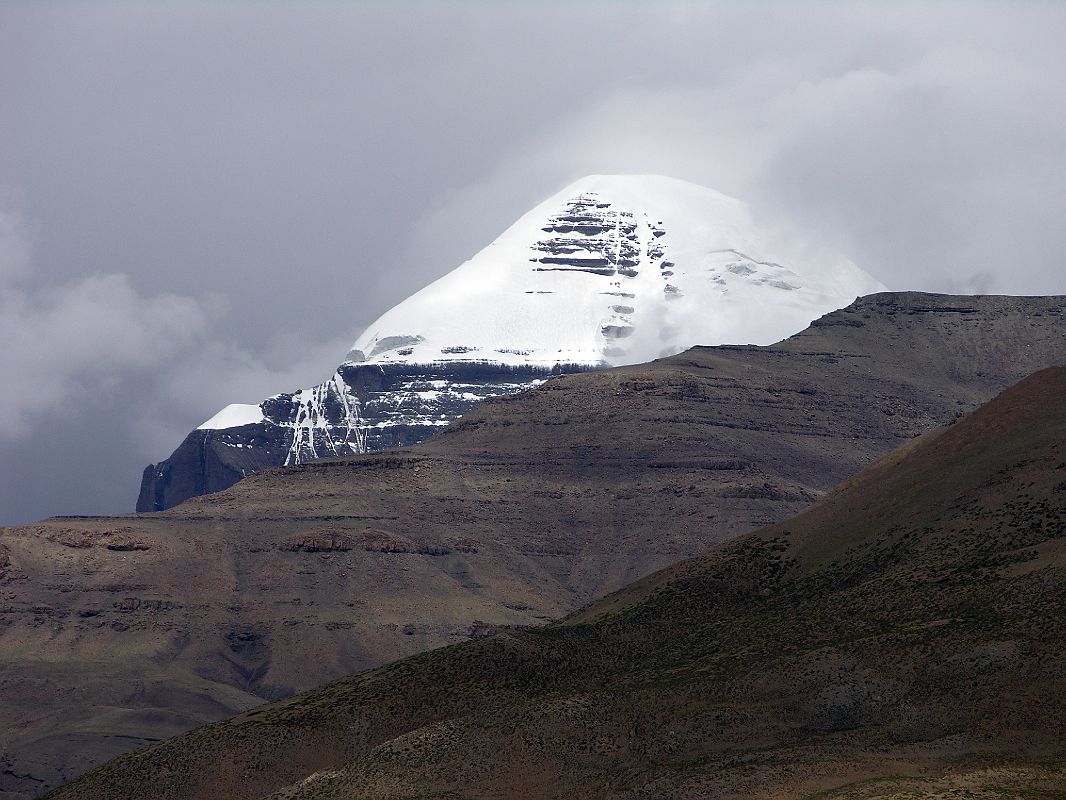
point(903, 638)
point(614, 269)
point(118, 631)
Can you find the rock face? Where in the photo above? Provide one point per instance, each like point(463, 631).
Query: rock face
point(611, 270)
point(362, 408)
point(522, 511)
point(902, 638)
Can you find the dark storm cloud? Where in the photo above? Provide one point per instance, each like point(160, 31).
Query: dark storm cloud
point(205, 203)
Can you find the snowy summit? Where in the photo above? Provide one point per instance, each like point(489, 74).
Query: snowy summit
point(617, 269)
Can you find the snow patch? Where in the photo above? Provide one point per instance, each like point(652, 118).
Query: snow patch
point(233, 416)
point(694, 267)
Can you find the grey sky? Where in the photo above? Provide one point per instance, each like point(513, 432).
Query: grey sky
point(203, 203)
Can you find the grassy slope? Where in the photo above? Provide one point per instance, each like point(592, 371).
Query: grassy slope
point(902, 638)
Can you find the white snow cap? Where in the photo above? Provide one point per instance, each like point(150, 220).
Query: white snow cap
point(618, 269)
point(233, 416)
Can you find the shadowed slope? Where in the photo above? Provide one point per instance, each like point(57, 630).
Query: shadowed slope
point(119, 631)
point(908, 628)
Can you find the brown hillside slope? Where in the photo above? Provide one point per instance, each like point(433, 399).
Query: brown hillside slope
point(118, 631)
point(902, 638)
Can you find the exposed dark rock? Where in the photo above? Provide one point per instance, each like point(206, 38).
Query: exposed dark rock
point(366, 408)
point(316, 543)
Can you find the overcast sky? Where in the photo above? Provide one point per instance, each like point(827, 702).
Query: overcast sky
point(206, 203)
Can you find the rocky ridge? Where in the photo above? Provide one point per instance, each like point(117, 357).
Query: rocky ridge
point(118, 631)
point(361, 409)
point(900, 639)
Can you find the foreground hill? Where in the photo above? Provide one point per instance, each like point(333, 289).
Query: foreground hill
point(902, 638)
point(119, 631)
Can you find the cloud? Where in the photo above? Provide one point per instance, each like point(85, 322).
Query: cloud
point(14, 246)
point(103, 378)
point(92, 340)
point(81, 338)
point(924, 152)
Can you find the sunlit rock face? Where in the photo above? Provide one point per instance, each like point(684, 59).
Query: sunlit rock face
point(612, 270)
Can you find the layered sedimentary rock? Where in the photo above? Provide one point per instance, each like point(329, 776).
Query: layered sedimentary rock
point(362, 408)
point(903, 638)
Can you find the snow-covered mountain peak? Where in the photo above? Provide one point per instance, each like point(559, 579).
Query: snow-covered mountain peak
point(613, 269)
point(616, 269)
